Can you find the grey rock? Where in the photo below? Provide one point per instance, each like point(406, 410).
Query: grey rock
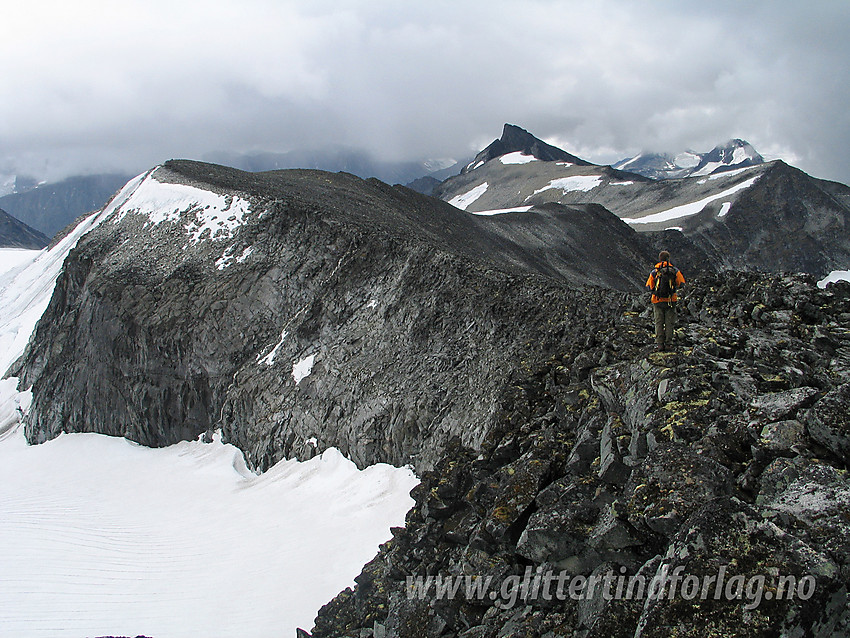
point(762, 554)
point(783, 436)
point(781, 405)
point(561, 528)
point(828, 422)
point(611, 468)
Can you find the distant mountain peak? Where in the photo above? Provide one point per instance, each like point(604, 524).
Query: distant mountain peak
point(517, 140)
point(16, 234)
point(733, 154)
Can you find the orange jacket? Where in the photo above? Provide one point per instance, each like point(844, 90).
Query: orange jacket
point(650, 283)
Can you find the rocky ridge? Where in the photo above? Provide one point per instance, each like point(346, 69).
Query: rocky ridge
point(726, 457)
point(301, 310)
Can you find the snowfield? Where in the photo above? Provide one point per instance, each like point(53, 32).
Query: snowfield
point(100, 536)
point(517, 157)
point(687, 210)
point(574, 183)
point(503, 211)
point(465, 200)
point(835, 275)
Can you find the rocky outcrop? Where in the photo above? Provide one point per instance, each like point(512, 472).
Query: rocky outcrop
point(718, 470)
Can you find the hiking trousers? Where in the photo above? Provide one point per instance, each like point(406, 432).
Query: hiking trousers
point(665, 320)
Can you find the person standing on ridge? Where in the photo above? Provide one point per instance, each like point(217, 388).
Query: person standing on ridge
point(663, 281)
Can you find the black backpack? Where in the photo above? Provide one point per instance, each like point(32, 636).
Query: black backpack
point(665, 280)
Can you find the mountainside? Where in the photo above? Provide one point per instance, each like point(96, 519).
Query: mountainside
point(767, 216)
point(297, 309)
point(51, 207)
point(505, 356)
point(730, 156)
point(16, 234)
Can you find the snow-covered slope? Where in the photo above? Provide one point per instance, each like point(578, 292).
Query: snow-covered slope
point(100, 536)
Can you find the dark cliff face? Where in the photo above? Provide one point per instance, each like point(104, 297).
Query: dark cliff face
point(725, 459)
point(407, 313)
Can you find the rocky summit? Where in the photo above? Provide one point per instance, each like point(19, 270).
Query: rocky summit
point(574, 481)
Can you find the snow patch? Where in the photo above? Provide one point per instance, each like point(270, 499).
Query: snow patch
point(269, 358)
point(835, 275)
point(210, 214)
point(465, 200)
point(686, 210)
point(302, 369)
point(502, 211)
point(227, 258)
point(620, 183)
point(687, 160)
point(708, 169)
point(517, 157)
point(574, 183)
point(724, 209)
point(725, 174)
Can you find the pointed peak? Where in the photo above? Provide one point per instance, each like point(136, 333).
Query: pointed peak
point(516, 139)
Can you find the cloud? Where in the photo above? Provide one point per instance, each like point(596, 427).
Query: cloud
point(134, 83)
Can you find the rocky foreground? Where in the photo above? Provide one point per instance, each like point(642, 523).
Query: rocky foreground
point(718, 471)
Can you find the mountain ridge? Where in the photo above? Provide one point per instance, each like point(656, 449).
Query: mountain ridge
point(391, 287)
point(507, 357)
point(734, 154)
point(729, 216)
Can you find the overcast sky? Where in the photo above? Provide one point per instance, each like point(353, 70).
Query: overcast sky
point(103, 85)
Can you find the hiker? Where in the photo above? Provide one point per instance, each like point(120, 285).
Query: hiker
point(663, 282)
